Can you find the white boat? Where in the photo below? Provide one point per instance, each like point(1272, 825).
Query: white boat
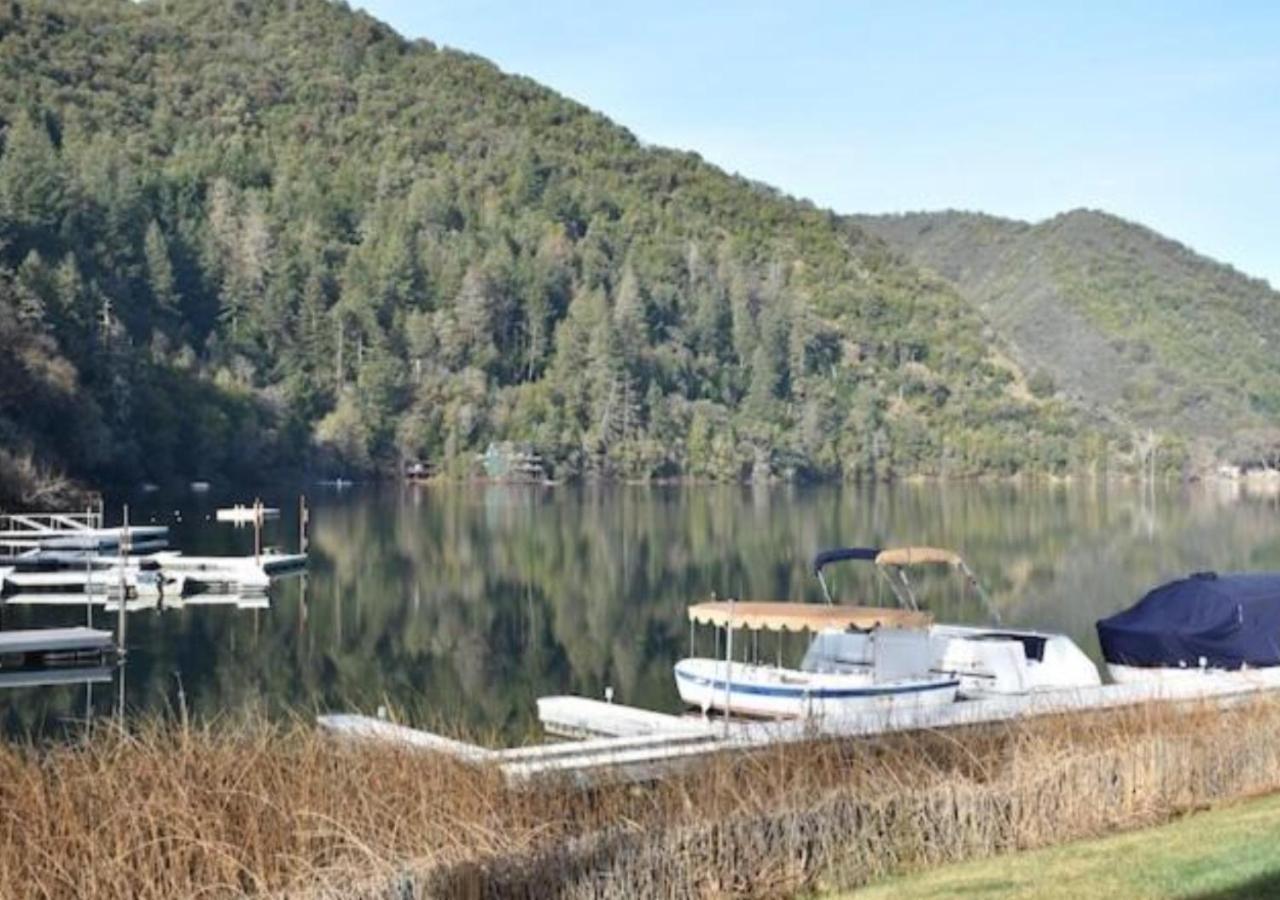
point(892, 668)
point(247, 515)
point(1200, 628)
point(987, 660)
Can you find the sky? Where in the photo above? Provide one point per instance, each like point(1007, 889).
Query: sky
point(1167, 113)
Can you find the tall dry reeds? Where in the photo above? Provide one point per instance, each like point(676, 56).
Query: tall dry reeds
point(255, 808)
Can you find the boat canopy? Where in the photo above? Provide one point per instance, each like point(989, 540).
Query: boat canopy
point(1219, 621)
point(757, 616)
point(840, 554)
point(917, 556)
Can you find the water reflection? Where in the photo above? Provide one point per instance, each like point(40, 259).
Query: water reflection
point(464, 604)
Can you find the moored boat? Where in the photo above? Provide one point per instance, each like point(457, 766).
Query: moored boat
point(891, 670)
point(987, 660)
point(1203, 626)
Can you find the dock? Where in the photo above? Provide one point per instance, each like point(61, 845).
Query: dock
point(72, 553)
point(55, 676)
point(246, 515)
point(81, 532)
point(630, 744)
point(40, 648)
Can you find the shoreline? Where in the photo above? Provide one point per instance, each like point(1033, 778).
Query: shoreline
point(281, 808)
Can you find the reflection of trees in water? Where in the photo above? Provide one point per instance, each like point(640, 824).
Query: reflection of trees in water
point(522, 591)
point(469, 602)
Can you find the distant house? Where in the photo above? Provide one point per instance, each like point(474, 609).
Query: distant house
point(512, 461)
point(419, 470)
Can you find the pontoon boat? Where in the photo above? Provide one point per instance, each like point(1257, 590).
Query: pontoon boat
point(891, 669)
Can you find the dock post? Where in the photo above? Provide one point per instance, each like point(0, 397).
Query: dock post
point(121, 614)
point(728, 667)
point(304, 517)
point(257, 530)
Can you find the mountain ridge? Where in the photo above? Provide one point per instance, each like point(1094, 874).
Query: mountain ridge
point(1127, 322)
point(270, 235)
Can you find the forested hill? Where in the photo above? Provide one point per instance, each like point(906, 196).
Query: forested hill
point(237, 236)
point(1124, 321)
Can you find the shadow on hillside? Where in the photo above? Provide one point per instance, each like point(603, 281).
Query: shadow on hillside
point(1264, 885)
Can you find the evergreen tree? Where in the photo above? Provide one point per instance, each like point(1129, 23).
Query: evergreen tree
point(160, 270)
point(32, 182)
point(349, 248)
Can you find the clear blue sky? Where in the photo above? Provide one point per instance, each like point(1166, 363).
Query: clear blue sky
point(1167, 113)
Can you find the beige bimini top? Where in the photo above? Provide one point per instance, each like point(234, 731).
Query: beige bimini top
point(917, 556)
point(757, 616)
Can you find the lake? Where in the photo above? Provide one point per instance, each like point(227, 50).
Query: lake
point(461, 604)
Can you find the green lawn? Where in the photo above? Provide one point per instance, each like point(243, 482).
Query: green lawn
point(1232, 852)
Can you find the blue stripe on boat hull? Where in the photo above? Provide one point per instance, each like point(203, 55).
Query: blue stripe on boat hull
point(815, 693)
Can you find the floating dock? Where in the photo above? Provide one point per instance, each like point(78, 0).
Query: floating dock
point(229, 572)
point(71, 553)
point(53, 676)
point(246, 515)
point(168, 573)
point(634, 744)
point(45, 648)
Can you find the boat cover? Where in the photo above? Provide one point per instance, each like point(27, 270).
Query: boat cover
point(1218, 621)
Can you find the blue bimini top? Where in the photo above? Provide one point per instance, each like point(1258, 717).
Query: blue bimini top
point(1219, 621)
point(826, 557)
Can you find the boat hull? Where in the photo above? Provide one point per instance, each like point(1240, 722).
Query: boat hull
point(1121, 674)
point(1002, 661)
point(768, 692)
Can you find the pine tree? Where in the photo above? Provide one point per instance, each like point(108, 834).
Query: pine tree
point(630, 325)
point(742, 305)
point(160, 270)
point(473, 312)
point(30, 289)
point(74, 306)
point(32, 182)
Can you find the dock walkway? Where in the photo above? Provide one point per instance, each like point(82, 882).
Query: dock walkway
point(642, 745)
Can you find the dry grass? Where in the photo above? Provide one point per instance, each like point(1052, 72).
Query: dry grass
point(254, 808)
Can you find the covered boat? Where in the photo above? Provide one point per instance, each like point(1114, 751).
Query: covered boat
point(887, 663)
point(987, 661)
point(1201, 624)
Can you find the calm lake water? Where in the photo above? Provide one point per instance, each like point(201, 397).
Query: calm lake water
point(462, 604)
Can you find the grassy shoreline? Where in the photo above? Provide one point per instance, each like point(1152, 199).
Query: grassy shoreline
point(1225, 852)
point(248, 807)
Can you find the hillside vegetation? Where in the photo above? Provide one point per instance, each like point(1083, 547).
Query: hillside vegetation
point(1135, 327)
point(240, 236)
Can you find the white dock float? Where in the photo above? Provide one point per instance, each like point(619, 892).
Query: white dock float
point(55, 640)
point(246, 515)
point(382, 731)
point(55, 675)
point(82, 538)
point(229, 571)
point(576, 717)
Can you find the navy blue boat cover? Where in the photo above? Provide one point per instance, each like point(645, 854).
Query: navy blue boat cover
point(1226, 620)
point(842, 553)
